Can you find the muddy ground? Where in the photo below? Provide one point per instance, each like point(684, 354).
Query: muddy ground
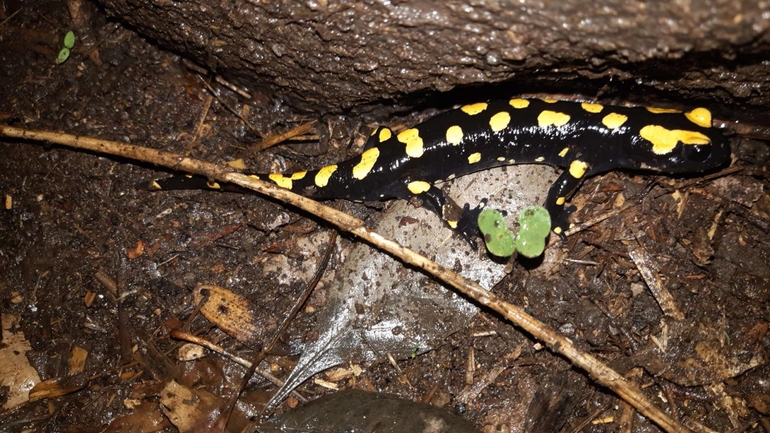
point(72, 222)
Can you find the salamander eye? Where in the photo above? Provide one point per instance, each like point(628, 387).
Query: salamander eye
point(696, 153)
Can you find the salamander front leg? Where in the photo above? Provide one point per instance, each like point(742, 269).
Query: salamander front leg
point(462, 220)
point(563, 188)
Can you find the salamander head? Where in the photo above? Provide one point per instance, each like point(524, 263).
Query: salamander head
point(677, 150)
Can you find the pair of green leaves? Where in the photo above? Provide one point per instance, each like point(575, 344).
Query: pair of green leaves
point(534, 226)
point(69, 43)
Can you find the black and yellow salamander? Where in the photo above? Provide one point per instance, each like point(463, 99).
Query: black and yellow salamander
point(582, 138)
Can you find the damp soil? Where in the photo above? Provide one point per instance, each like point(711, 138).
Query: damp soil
point(90, 263)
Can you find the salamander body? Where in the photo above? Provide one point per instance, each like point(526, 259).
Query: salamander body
point(581, 138)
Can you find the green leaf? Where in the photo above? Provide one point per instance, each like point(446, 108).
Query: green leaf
point(64, 54)
point(69, 40)
point(535, 219)
point(498, 239)
point(535, 224)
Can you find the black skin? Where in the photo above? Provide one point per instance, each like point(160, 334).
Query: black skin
point(521, 140)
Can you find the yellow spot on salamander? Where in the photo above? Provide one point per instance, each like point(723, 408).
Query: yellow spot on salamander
point(500, 121)
point(592, 108)
point(281, 180)
point(658, 110)
point(549, 101)
point(474, 109)
point(418, 187)
point(411, 137)
point(563, 152)
point(323, 175)
point(700, 116)
point(213, 185)
point(385, 134)
point(454, 135)
point(614, 120)
point(254, 176)
point(664, 140)
point(560, 201)
point(519, 103)
point(237, 164)
point(540, 159)
point(557, 230)
point(474, 158)
point(578, 168)
point(368, 159)
point(155, 185)
point(501, 158)
point(451, 176)
point(548, 118)
point(452, 223)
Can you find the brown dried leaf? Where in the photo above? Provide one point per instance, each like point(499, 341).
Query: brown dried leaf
point(230, 312)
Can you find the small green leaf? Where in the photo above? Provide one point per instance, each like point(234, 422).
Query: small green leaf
point(535, 219)
point(499, 240)
point(535, 224)
point(64, 54)
point(69, 40)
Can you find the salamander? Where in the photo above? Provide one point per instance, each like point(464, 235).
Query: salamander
point(581, 138)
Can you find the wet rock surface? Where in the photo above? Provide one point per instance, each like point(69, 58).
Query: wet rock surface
point(338, 55)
